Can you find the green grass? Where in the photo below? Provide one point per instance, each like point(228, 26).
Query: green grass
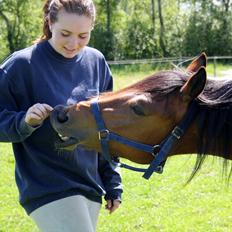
point(128, 74)
point(220, 69)
point(162, 204)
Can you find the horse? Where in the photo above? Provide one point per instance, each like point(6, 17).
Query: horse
point(184, 106)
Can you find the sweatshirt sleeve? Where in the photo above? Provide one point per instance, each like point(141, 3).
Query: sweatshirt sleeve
point(13, 127)
point(110, 174)
point(111, 179)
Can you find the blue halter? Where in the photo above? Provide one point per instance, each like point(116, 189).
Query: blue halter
point(159, 152)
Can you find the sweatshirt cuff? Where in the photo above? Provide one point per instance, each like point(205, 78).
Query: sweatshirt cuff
point(25, 128)
point(115, 195)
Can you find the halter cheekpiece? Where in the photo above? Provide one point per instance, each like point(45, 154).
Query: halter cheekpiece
point(159, 151)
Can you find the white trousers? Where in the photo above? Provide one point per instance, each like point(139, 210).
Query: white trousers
point(70, 214)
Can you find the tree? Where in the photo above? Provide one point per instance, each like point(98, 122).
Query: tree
point(162, 30)
point(19, 20)
point(104, 34)
point(209, 28)
point(153, 14)
point(132, 29)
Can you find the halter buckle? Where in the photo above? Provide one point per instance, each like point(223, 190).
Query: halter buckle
point(156, 149)
point(103, 134)
point(177, 132)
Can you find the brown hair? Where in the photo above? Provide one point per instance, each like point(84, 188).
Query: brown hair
point(52, 7)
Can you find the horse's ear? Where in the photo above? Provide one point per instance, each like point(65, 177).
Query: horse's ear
point(199, 61)
point(195, 84)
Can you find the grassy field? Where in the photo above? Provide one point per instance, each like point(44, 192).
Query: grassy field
point(162, 204)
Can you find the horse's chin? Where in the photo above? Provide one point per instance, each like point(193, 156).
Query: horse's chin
point(67, 143)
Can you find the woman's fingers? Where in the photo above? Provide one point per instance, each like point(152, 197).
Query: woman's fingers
point(112, 205)
point(37, 113)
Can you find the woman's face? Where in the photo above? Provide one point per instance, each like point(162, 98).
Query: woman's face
point(70, 33)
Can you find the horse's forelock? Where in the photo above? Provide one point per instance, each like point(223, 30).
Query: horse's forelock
point(166, 82)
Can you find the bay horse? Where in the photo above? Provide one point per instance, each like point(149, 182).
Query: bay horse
point(146, 113)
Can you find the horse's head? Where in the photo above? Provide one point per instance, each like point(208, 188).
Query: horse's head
point(145, 112)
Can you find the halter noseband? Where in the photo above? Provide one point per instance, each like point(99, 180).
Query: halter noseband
point(159, 151)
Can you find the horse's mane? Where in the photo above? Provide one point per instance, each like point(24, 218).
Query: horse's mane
point(215, 121)
point(215, 111)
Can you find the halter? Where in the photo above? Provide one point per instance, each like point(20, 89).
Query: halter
point(159, 152)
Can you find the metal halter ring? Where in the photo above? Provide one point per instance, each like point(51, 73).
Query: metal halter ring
point(103, 134)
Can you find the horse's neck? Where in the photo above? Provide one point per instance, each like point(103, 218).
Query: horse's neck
point(190, 143)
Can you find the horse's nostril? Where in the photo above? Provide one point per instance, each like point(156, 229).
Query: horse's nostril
point(62, 117)
point(60, 114)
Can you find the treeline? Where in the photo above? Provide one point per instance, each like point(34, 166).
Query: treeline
point(132, 29)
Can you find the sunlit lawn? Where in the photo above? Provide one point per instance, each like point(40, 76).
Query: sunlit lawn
point(162, 204)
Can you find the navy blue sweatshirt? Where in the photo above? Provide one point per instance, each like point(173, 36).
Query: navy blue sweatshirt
point(39, 74)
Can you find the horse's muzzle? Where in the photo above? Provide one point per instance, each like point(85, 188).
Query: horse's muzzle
point(59, 118)
point(59, 114)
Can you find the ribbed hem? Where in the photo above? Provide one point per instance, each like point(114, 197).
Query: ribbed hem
point(114, 196)
point(60, 58)
point(26, 128)
point(36, 203)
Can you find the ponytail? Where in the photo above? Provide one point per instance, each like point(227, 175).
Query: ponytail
point(46, 31)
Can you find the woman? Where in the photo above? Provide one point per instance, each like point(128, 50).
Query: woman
point(60, 191)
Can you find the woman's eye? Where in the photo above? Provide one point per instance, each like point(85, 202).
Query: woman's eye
point(65, 34)
point(85, 36)
point(138, 110)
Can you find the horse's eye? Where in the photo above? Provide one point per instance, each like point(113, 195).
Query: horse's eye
point(138, 110)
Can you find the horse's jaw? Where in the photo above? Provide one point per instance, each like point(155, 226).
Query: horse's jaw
point(71, 143)
point(75, 126)
point(93, 143)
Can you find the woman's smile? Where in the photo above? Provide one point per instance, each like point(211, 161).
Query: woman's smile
point(68, 38)
point(71, 52)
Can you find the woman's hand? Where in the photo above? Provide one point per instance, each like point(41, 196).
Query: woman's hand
point(112, 205)
point(37, 113)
